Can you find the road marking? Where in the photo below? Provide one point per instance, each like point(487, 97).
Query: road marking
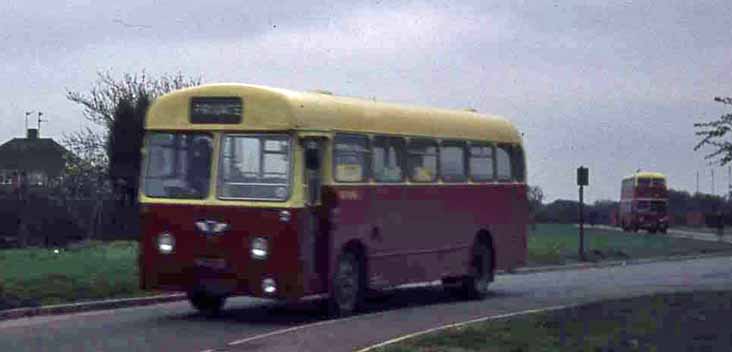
point(325, 322)
point(455, 325)
point(296, 328)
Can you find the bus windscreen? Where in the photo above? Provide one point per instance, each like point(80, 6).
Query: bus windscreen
point(178, 165)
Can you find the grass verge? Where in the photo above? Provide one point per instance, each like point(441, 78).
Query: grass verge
point(39, 276)
point(674, 322)
point(556, 244)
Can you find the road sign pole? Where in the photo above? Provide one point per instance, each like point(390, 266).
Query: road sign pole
point(581, 224)
point(583, 179)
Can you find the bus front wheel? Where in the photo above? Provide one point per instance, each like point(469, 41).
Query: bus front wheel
point(206, 303)
point(347, 289)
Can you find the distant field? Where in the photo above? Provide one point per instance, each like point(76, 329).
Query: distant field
point(38, 276)
point(558, 243)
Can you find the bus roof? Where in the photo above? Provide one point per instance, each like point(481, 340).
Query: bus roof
point(270, 109)
point(645, 174)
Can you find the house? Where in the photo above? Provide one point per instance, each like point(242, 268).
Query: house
point(33, 161)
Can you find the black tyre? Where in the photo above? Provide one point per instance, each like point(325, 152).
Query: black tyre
point(652, 230)
point(663, 230)
point(206, 303)
point(475, 285)
point(347, 291)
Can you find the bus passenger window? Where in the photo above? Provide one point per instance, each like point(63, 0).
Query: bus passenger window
point(452, 162)
point(503, 163)
point(481, 163)
point(422, 160)
point(517, 163)
point(388, 159)
point(351, 156)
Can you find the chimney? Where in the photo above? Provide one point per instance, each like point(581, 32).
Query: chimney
point(32, 133)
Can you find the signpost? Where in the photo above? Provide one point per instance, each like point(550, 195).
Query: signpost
point(582, 180)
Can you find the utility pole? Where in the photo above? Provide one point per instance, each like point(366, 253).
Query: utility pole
point(697, 182)
point(713, 189)
point(729, 182)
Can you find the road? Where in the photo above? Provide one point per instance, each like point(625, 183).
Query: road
point(258, 325)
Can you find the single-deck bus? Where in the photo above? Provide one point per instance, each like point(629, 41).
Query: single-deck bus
point(251, 190)
point(643, 201)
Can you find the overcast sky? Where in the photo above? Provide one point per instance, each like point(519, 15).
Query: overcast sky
point(613, 85)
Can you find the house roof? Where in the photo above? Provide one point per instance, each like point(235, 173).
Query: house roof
point(38, 154)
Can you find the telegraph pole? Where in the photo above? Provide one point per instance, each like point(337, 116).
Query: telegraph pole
point(713, 188)
point(697, 182)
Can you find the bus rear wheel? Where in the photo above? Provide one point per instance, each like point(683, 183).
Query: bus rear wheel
point(206, 303)
point(475, 285)
point(347, 290)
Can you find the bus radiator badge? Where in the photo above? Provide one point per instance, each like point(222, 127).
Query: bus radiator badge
point(211, 227)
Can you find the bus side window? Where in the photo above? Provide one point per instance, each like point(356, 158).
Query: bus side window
point(388, 159)
point(517, 164)
point(481, 162)
point(422, 160)
point(503, 163)
point(351, 158)
point(452, 162)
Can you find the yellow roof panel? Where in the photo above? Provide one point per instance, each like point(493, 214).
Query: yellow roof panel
point(646, 174)
point(268, 109)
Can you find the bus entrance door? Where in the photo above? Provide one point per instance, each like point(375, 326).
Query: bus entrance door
point(315, 235)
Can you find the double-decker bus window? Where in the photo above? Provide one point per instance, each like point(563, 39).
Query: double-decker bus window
point(658, 206)
point(658, 182)
point(481, 162)
point(644, 205)
point(452, 162)
point(178, 165)
point(388, 159)
point(422, 160)
point(503, 163)
point(351, 156)
point(255, 167)
point(644, 182)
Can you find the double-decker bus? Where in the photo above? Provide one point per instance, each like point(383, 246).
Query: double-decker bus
point(643, 202)
point(251, 190)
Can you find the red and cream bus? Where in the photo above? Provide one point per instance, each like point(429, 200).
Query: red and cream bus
point(643, 202)
point(251, 190)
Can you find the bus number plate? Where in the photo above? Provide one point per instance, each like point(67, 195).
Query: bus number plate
point(211, 263)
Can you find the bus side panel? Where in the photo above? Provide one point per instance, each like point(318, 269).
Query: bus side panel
point(422, 233)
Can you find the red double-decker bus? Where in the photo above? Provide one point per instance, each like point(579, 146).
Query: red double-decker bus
point(643, 202)
point(250, 190)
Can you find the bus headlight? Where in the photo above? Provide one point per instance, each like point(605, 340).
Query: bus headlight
point(166, 243)
point(260, 248)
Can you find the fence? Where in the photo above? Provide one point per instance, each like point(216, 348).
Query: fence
point(48, 222)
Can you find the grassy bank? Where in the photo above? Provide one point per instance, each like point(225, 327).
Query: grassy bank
point(557, 244)
point(676, 322)
point(37, 276)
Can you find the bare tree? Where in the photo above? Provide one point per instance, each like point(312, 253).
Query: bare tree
point(713, 135)
point(106, 156)
point(117, 108)
point(536, 198)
